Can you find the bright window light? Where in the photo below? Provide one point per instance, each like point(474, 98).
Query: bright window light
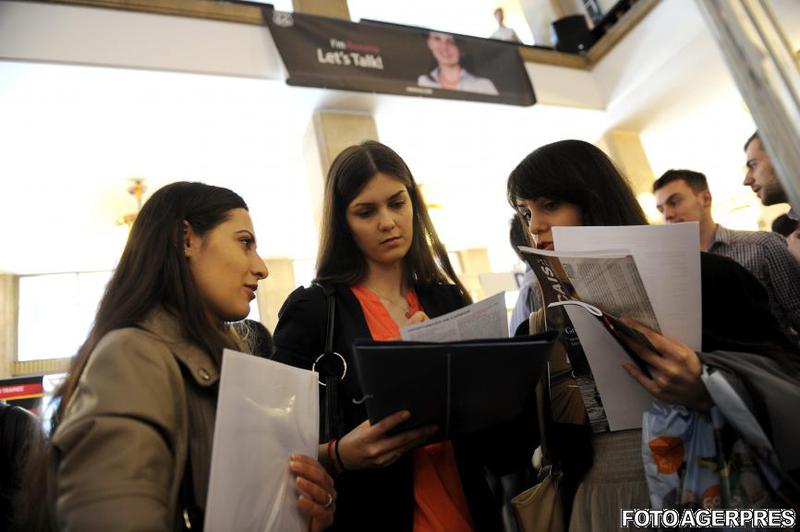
point(56, 313)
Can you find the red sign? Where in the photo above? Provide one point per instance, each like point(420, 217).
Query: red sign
point(21, 390)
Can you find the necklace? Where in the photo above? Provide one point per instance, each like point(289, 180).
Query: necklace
point(400, 304)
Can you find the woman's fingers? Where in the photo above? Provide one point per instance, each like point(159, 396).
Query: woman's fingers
point(386, 424)
point(409, 438)
point(667, 350)
point(646, 382)
point(308, 468)
point(665, 346)
point(417, 317)
point(315, 492)
point(321, 517)
point(317, 497)
point(368, 446)
point(392, 449)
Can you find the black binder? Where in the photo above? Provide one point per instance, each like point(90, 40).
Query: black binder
point(461, 387)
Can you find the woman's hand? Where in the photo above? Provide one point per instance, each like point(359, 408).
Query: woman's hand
point(675, 370)
point(367, 446)
point(317, 495)
point(417, 317)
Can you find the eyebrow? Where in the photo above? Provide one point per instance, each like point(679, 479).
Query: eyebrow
point(669, 198)
point(248, 232)
point(390, 198)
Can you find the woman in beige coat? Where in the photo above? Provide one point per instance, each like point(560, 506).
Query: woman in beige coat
point(132, 447)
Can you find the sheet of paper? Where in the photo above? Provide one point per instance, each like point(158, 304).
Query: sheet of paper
point(484, 319)
point(623, 399)
point(265, 412)
point(668, 259)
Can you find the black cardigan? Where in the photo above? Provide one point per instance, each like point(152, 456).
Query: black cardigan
point(383, 499)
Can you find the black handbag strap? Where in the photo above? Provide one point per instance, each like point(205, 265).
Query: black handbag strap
point(543, 415)
point(332, 423)
point(331, 303)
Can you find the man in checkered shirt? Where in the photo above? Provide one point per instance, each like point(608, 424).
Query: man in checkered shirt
point(683, 196)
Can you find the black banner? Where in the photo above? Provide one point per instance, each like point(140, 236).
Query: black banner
point(377, 57)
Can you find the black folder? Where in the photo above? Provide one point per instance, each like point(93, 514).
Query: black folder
point(461, 387)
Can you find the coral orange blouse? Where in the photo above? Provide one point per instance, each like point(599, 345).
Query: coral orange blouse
point(440, 504)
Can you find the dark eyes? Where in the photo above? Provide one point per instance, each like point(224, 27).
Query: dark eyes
point(248, 242)
point(366, 213)
point(548, 206)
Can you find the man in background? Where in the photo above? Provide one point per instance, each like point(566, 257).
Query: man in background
point(503, 32)
point(761, 176)
point(683, 196)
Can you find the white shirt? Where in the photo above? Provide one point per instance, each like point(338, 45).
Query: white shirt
point(467, 82)
point(504, 33)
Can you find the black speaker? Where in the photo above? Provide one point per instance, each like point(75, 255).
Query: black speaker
point(572, 34)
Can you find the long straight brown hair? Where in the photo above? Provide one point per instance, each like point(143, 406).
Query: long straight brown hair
point(339, 259)
point(152, 271)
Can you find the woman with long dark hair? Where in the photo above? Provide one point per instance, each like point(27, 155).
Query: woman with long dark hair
point(131, 449)
point(573, 183)
point(385, 267)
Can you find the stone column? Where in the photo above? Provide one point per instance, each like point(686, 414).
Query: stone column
point(329, 133)
point(274, 290)
point(9, 312)
point(323, 8)
point(625, 149)
point(474, 262)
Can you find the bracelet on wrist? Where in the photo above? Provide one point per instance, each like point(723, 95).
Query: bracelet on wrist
point(331, 458)
point(339, 457)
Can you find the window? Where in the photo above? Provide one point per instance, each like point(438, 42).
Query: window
point(56, 313)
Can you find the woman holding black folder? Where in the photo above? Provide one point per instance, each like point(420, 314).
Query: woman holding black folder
point(383, 266)
point(573, 183)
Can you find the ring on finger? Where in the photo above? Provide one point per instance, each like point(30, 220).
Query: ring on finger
point(329, 502)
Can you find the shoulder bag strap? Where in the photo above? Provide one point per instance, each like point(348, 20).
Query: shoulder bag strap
point(542, 411)
point(332, 424)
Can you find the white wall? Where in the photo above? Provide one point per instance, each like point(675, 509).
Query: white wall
point(109, 37)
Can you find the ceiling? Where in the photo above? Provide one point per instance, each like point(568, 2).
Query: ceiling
point(73, 135)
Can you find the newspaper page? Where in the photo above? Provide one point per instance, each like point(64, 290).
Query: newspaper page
point(610, 281)
point(484, 319)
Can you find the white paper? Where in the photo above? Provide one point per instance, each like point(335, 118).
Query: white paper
point(265, 412)
point(624, 399)
point(668, 258)
point(484, 319)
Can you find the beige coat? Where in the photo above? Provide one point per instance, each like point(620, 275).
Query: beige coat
point(126, 434)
